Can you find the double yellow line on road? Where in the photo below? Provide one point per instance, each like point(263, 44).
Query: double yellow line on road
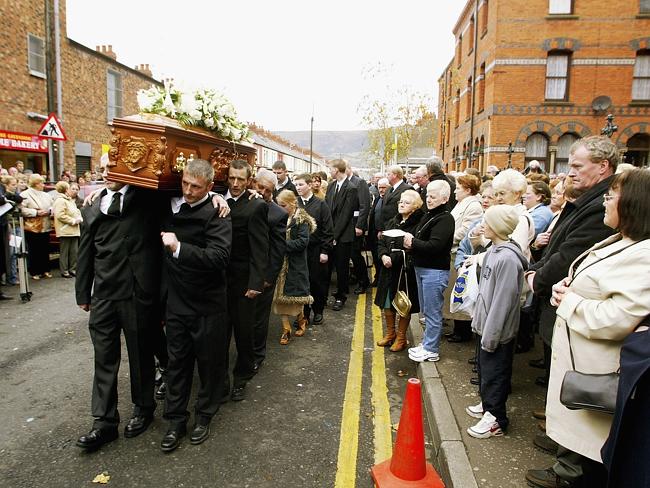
point(349, 439)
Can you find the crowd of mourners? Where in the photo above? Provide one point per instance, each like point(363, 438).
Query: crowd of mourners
point(562, 259)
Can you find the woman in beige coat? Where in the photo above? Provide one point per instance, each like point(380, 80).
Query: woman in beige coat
point(36, 209)
point(67, 218)
point(604, 298)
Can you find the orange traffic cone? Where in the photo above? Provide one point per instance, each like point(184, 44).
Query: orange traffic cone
point(408, 466)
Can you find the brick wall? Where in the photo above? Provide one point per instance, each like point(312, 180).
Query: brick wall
point(602, 42)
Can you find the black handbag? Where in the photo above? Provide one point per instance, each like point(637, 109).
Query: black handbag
point(584, 391)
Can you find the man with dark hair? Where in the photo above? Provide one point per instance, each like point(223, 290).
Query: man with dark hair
point(265, 182)
point(319, 247)
point(360, 221)
point(197, 248)
point(284, 182)
point(434, 168)
point(246, 272)
point(592, 163)
point(341, 198)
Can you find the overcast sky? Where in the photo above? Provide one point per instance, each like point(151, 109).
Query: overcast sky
point(276, 59)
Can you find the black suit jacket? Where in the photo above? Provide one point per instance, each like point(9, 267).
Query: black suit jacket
point(321, 238)
point(250, 244)
point(277, 217)
point(389, 205)
point(120, 256)
point(195, 282)
point(287, 186)
point(343, 207)
point(363, 198)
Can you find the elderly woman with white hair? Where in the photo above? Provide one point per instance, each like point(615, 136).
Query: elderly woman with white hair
point(431, 253)
point(36, 209)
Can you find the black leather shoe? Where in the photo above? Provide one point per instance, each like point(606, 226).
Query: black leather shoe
point(199, 434)
point(546, 478)
point(238, 393)
point(318, 319)
point(537, 363)
point(541, 381)
point(338, 305)
point(161, 391)
point(472, 361)
point(475, 369)
point(545, 443)
point(172, 439)
point(5, 297)
point(137, 425)
point(257, 365)
point(360, 290)
point(96, 438)
point(474, 381)
point(458, 338)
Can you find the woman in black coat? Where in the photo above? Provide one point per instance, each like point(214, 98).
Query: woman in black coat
point(292, 288)
point(392, 263)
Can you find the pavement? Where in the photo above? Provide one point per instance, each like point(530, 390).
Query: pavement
point(466, 462)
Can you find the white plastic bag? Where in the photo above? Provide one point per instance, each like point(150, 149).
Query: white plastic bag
point(465, 292)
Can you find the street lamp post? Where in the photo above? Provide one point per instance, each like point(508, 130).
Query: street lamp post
point(311, 145)
point(510, 151)
point(610, 127)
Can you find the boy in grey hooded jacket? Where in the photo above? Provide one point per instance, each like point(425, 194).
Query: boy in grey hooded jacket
point(496, 320)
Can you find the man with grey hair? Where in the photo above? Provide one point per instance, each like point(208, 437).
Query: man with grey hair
point(395, 176)
point(436, 173)
point(592, 162)
point(265, 184)
point(492, 170)
point(197, 250)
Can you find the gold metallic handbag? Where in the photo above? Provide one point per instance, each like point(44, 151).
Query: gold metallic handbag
point(402, 302)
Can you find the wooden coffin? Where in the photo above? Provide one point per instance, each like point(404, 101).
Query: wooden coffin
point(150, 151)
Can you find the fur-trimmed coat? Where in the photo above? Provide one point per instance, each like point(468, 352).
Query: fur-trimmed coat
point(293, 281)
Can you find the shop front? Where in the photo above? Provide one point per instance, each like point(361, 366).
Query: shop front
point(31, 149)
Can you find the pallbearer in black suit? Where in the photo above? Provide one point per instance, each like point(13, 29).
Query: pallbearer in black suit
point(341, 198)
point(265, 182)
point(196, 252)
point(284, 182)
point(320, 246)
point(118, 264)
point(246, 272)
point(360, 218)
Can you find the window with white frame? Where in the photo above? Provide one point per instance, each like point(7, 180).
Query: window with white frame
point(641, 81)
point(114, 94)
point(36, 55)
point(537, 148)
point(560, 6)
point(557, 76)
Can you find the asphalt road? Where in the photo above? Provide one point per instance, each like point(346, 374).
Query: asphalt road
point(287, 433)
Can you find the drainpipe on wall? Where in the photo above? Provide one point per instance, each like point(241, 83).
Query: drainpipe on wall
point(49, 82)
point(473, 101)
point(57, 67)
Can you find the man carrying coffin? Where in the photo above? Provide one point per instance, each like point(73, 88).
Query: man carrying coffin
point(196, 252)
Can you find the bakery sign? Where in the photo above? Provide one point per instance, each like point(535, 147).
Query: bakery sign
point(19, 141)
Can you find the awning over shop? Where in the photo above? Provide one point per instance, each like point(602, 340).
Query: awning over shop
point(20, 141)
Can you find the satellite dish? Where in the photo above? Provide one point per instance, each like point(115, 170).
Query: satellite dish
point(601, 103)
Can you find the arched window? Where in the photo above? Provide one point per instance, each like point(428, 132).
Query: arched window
point(537, 148)
point(562, 155)
point(484, 17)
point(638, 150)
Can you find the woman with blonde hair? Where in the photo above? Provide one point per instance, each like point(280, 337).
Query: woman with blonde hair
point(292, 289)
point(36, 209)
point(67, 218)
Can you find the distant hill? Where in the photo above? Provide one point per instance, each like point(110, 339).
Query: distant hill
point(330, 144)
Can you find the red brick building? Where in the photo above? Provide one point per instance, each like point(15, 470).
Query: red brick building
point(95, 87)
point(539, 74)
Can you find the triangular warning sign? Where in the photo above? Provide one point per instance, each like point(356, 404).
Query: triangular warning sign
point(52, 129)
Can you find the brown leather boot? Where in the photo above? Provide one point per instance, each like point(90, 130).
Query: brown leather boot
point(286, 331)
point(302, 326)
point(390, 329)
point(400, 342)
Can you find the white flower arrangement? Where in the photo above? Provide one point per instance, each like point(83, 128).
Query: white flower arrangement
point(200, 108)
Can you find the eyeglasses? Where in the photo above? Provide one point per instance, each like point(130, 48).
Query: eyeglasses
point(607, 197)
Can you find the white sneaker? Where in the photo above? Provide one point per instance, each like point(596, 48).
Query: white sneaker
point(415, 349)
point(475, 411)
point(423, 355)
point(487, 427)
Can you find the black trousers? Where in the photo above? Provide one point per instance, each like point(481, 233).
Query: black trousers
point(107, 319)
point(340, 259)
point(359, 265)
point(318, 281)
point(241, 317)
point(261, 324)
point(495, 373)
point(200, 339)
point(38, 258)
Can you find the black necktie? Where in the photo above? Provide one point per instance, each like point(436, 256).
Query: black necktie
point(336, 192)
point(184, 208)
point(114, 208)
point(305, 202)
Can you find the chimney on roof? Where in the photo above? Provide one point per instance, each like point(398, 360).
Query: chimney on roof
point(144, 69)
point(107, 51)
